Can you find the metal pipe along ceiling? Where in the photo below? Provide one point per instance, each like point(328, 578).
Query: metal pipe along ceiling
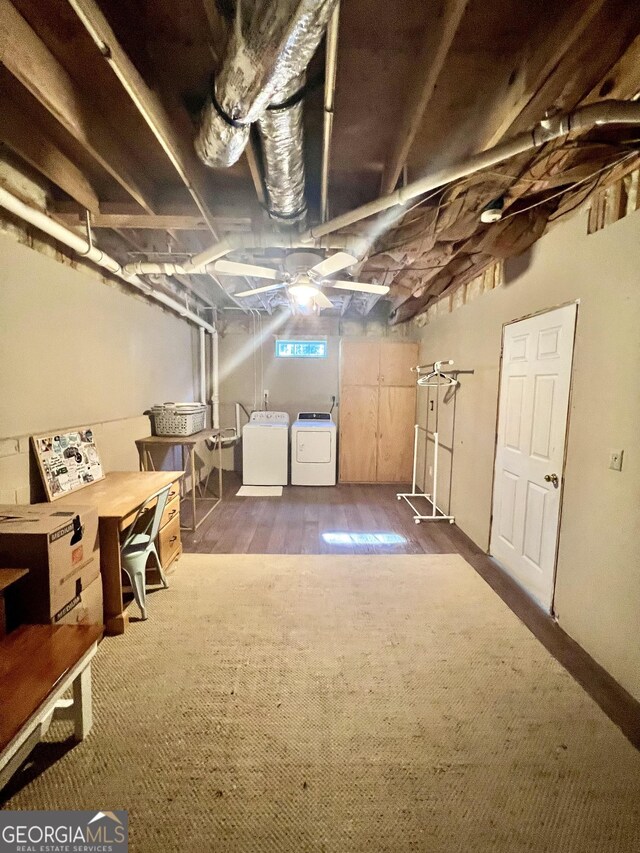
point(86, 250)
point(581, 120)
point(269, 49)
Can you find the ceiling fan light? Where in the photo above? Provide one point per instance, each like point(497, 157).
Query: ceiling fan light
point(303, 294)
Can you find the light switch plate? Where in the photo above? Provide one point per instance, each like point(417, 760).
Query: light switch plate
point(615, 460)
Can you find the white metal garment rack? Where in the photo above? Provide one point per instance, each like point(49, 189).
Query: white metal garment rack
point(431, 376)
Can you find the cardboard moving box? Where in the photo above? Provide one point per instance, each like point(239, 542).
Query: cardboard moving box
point(60, 547)
point(84, 609)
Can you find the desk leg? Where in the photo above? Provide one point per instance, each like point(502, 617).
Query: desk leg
point(115, 617)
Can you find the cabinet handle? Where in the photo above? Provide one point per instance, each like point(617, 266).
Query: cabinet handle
point(172, 513)
point(171, 495)
point(173, 539)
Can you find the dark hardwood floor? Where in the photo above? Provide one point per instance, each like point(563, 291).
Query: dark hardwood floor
point(299, 521)
point(305, 519)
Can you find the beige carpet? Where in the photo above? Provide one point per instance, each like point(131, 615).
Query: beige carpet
point(343, 704)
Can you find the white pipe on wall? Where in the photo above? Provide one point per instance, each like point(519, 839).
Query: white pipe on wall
point(202, 350)
point(215, 380)
point(73, 241)
point(582, 119)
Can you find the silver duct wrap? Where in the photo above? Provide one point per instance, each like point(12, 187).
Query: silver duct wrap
point(283, 156)
point(270, 47)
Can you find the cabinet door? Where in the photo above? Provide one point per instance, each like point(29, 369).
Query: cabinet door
point(396, 420)
point(358, 429)
point(360, 361)
point(396, 360)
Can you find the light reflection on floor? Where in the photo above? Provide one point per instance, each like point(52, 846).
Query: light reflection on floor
point(351, 539)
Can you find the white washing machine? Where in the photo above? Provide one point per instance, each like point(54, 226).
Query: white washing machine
point(265, 449)
point(313, 450)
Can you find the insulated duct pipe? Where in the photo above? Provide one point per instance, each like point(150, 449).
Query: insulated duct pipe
point(582, 119)
point(269, 49)
point(73, 241)
point(198, 264)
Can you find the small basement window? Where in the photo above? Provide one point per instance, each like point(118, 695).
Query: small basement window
point(301, 349)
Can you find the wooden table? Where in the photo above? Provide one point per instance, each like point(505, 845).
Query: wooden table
point(187, 443)
point(117, 498)
point(38, 664)
point(7, 577)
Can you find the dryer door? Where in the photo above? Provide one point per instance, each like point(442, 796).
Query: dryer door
point(313, 445)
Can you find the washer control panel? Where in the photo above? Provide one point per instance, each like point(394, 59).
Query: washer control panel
point(314, 416)
point(261, 417)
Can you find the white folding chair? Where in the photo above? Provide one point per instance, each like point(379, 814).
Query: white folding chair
point(139, 543)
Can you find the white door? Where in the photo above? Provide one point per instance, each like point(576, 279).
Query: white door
point(532, 425)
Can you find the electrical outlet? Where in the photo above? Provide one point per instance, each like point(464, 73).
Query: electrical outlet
point(615, 460)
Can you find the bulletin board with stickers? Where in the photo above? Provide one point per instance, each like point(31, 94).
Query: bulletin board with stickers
point(68, 461)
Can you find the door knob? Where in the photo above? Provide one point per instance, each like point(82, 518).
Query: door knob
point(552, 478)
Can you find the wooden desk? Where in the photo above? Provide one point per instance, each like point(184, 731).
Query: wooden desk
point(188, 445)
point(117, 498)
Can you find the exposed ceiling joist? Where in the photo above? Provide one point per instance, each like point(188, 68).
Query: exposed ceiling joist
point(27, 58)
point(436, 47)
point(561, 39)
point(31, 143)
point(578, 67)
point(254, 168)
point(173, 131)
point(156, 223)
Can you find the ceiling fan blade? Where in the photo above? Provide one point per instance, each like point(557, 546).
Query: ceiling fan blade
point(235, 268)
point(333, 264)
point(360, 286)
point(322, 301)
point(254, 290)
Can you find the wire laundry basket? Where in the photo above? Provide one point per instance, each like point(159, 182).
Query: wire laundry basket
point(178, 418)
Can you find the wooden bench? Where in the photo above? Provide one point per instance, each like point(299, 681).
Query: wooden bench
point(38, 663)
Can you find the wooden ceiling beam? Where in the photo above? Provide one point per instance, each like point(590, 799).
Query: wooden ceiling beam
point(434, 53)
point(28, 140)
point(528, 87)
point(156, 223)
point(28, 59)
point(172, 130)
point(577, 69)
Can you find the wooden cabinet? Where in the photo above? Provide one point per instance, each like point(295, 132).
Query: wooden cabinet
point(377, 411)
point(169, 543)
point(358, 433)
point(168, 540)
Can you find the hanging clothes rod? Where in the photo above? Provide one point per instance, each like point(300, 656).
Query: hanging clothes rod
point(435, 365)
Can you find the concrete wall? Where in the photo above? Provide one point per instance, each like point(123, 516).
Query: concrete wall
point(76, 351)
point(598, 572)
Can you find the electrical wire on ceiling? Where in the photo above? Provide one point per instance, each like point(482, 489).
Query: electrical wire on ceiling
point(564, 190)
point(444, 204)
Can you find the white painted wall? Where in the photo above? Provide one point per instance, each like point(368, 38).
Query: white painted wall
point(74, 351)
point(598, 571)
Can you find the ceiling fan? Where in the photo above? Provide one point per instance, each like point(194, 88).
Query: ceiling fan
point(302, 279)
